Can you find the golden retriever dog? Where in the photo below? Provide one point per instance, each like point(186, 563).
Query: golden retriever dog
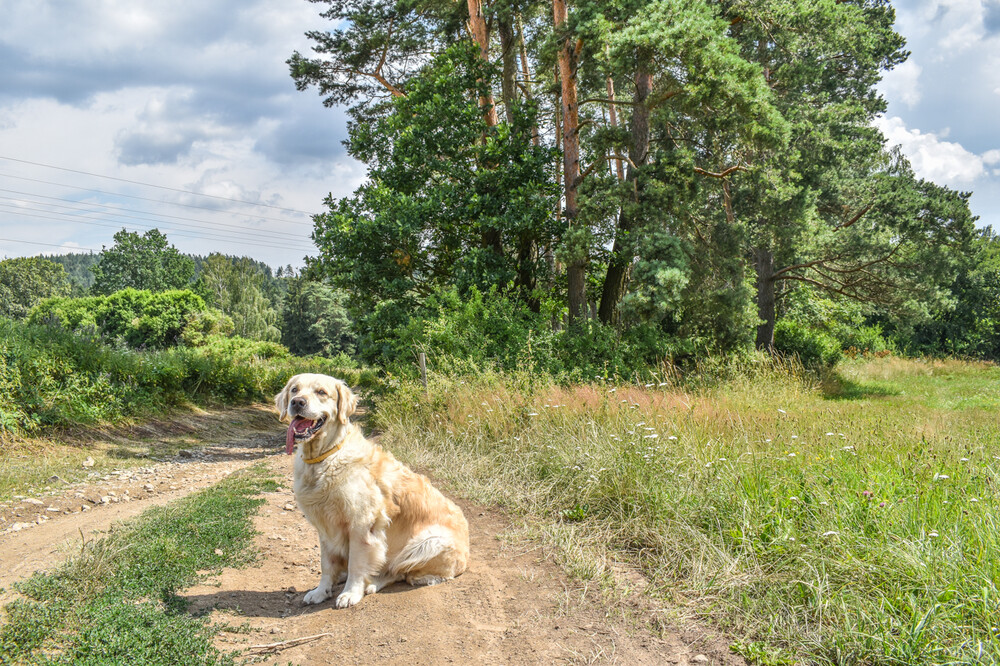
point(378, 521)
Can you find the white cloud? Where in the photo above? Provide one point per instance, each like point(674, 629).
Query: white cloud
point(903, 83)
point(944, 162)
point(991, 157)
point(185, 95)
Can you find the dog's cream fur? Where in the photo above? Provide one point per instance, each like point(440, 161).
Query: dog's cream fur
point(378, 521)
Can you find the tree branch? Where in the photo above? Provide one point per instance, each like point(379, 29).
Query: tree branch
point(854, 219)
point(616, 102)
point(721, 174)
point(594, 164)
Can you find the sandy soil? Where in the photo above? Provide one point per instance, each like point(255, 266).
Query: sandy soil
point(513, 606)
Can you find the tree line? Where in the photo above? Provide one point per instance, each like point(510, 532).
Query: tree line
point(236, 296)
point(689, 172)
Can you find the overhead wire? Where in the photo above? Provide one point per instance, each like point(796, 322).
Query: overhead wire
point(63, 246)
point(133, 196)
point(114, 216)
point(263, 234)
point(162, 187)
point(67, 217)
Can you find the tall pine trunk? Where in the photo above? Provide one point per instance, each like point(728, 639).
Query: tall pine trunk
point(508, 58)
point(576, 271)
point(620, 264)
point(526, 75)
point(481, 34)
point(764, 266)
point(613, 120)
point(490, 239)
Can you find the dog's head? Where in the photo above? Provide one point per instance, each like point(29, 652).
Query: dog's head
point(314, 405)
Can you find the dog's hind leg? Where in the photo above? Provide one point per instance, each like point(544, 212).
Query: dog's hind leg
point(378, 582)
point(428, 580)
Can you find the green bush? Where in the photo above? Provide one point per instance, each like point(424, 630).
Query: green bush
point(813, 348)
point(481, 329)
point(491, 331)
point(868, 340)
point(139, 319)
point(53, 376)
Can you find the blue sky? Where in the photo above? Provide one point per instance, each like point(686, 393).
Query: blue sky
point(944, 100)
point(195, 96)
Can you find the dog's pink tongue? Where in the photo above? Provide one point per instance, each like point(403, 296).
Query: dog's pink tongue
point(290, 440)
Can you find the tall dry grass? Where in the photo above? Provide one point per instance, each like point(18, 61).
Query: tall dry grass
point(848, 520)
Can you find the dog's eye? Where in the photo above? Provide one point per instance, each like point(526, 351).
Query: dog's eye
point(320, 392)
point(295, 389)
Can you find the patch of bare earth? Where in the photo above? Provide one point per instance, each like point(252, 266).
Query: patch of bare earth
point(513, 605)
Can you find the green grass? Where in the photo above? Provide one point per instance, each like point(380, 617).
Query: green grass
point(853, 520)
point(117, 603)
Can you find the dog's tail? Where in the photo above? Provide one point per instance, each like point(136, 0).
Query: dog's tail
point(423, 548)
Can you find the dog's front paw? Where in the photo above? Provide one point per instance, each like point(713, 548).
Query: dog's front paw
point(346, 599)
point(317, 596)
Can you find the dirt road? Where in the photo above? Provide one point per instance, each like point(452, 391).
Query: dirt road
point(513, 606)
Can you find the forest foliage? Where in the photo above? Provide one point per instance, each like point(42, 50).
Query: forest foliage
point(683, 173)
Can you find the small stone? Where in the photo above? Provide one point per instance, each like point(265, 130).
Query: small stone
point(289, 507)
point(55, 478)
point(700, 659)
point(17, 527)
point(88, 462)
point(105, 500)
point(218, 551)
point(33, 501)
point(184, 453)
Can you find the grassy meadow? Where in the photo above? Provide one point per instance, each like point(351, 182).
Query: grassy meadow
point(851, 519)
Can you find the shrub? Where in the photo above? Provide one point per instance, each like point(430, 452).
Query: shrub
point(481, 329)
point(813, 348)
point(139, 319)
point(868, 340)
point(52, 376)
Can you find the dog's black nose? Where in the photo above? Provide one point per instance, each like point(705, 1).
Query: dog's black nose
point(298, 402)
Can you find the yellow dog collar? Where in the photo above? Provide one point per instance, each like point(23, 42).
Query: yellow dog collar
point(324, 456)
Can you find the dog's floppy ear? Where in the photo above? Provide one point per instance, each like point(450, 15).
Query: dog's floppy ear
point(347, 402)
point(281, 401)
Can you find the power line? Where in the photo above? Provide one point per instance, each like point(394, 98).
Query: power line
point(66, 217)
point(14, 240)
point(255, 232)
point(132, 196)
point(162, 187)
